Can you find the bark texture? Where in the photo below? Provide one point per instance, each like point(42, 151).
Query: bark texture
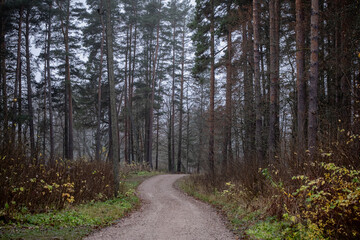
point(314, 72)
point(258, 129)
point(300, 79)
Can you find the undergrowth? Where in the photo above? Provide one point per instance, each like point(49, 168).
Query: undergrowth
point(37, 188)
point(330, 201)
point(63, 200)
point(77, 221)
point(325, 206)
point(298, 196)
point(242, 216)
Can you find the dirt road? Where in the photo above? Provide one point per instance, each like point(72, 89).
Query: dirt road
point(167, 214)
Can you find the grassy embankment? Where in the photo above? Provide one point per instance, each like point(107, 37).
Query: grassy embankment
point(247, 222)
point(75, 222)
point(321, 206)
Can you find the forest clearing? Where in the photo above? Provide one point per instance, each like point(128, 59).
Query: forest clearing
point(257, 101)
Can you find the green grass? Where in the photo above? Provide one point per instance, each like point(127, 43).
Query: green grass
point(72, 223)
point(245, 222)
point(77, 221)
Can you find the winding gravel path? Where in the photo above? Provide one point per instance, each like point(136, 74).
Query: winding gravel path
point(167, 214)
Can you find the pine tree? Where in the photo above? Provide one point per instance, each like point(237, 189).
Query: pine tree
point(114, 140)
point(314, 71)
point(301, 83)
point(274, 7)
point(206, 10)
point(258, 130)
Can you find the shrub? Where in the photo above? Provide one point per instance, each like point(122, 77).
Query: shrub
point(331, 201)
point(236, 192)
point(38, 188)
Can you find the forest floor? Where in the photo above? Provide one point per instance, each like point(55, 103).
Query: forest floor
point(167, 213)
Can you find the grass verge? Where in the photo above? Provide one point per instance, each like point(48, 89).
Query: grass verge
point(75, 222)
point(246, 221)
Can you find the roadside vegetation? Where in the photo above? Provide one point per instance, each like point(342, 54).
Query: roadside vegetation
point(318, 201)
point(66, 202)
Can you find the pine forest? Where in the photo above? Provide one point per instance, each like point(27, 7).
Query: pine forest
point(257, 101)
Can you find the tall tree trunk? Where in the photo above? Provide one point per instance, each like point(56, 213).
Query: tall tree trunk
point(265, 78)
point(66, 124)
point(114, 146)
point(173, 100)
point(201, 130)
point(228, 104)
point(249, 116)
point(51, 124)
point(17, 98)
point(69, 142)
point(132, 125)
point(258, 129)
point(151, 117)
point(212, 92)
point(274, 80)
point(170, 166)
point(68, 82)
point(314, 71)
point(126, 135)
point(300, 82)
point(98, 124)
point(181, 98)
point(3, 77)
point(129, 113)
point(29, 89)
point(148, 81)
point(45, 111)
point(157, 142)
point(157, 132)
point(187, 130)
point(345, 66)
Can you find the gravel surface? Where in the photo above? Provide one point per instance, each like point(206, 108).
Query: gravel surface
point(167, 214)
